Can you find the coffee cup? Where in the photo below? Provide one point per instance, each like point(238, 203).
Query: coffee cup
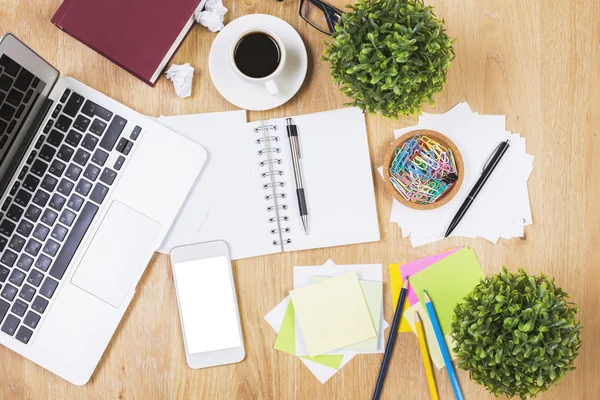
point(258, 55)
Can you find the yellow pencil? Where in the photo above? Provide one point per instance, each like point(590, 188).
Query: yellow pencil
point(426, 359)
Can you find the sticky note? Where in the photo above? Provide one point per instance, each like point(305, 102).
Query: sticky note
point(286, 341)
point(373, 292)
point(413, 267)
point(396, 286)
point(447, 282)
point(332, 314)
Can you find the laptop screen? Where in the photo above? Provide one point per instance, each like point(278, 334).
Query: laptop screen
point(19, 91)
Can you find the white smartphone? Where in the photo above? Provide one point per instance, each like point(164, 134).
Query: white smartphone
point(208, 308)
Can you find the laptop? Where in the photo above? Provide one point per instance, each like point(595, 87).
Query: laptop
point(89, 189)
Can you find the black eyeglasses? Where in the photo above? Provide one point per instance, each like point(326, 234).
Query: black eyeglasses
point(320, 15)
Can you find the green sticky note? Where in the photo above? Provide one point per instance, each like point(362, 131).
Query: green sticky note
point(447, 282)
point(286, 338)
point(286, 341)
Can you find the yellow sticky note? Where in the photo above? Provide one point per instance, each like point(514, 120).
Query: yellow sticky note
point(373, 292)
point(396, 285)
point(286, 342)
point(333, 314)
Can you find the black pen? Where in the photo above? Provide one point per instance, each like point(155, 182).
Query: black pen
point(487, 170)
point(295, 149)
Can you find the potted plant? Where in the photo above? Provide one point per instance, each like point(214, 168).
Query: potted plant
point(516, 334)
point(389, 56)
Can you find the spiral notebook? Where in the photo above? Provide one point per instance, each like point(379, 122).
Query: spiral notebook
point(246, 193)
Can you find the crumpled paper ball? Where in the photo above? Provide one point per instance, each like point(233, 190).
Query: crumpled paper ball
point(182, 76)
point(211, 13)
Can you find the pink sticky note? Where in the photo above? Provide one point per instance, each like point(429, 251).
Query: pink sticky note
point(413, 267)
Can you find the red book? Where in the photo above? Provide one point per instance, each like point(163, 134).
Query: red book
point(140, 36)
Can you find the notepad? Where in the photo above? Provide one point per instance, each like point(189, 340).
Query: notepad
point(333, 314)
point(447, 282)
point(246, 195)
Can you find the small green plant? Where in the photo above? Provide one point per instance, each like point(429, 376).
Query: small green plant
point(516, 334)
point(389, 56)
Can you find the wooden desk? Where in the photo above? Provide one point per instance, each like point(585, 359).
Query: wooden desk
point(536, 61)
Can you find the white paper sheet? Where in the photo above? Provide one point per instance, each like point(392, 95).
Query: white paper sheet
point(502, 208)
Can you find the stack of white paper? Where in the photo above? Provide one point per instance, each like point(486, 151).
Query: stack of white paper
point(502, 209)
point(290, 339)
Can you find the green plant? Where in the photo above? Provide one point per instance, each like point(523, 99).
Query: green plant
point(389, 56)
point(516, 334)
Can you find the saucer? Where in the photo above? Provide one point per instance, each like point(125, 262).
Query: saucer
point(250, 95)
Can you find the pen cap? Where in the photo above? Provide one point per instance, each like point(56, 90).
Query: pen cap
point(291, 128)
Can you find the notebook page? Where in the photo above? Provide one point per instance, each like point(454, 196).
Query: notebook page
point(226, 203)
point(337, 177)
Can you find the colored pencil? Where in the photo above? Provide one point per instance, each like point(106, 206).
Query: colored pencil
point(426, 359)
point(391, 341)
point(443, 348)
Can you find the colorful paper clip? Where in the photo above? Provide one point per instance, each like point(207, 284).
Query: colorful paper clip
point(423, 170)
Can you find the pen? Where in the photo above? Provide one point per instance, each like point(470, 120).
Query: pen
point(389, 348)
point(487, 170)
point(295, 149)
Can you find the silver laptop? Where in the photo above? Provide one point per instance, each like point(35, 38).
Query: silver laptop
point(89, 189)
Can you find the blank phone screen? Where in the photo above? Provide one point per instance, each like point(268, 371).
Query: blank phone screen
point(207, 305)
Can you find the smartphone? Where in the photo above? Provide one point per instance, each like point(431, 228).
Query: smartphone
point(208, 307)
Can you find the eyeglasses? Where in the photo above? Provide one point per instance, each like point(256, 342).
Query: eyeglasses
point(320, 15)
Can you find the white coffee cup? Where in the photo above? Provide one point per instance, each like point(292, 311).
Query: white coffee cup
point(268, 81)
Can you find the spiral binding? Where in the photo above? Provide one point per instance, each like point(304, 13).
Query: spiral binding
point(270, 161)
point(273, 138)
point(267, 139)
point(269, 150)
point(273, 184)
point(265, 174)
point(275, 219)
point(281, 207)
point(264, 128)
point(275, 196)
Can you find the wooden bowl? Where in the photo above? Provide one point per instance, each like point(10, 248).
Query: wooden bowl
point(441, 139)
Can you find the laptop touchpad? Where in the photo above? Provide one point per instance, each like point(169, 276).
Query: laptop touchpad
point(122, 246)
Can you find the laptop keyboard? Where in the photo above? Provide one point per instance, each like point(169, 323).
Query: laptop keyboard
point(19, 90)
point(53, 202)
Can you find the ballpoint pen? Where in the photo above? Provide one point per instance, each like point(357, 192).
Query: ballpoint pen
point(295, 150)
point(486, 171)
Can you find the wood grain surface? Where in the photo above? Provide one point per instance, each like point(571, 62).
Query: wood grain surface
point(536, 61)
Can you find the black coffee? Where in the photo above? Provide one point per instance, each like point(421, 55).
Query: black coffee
point(257, 55)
